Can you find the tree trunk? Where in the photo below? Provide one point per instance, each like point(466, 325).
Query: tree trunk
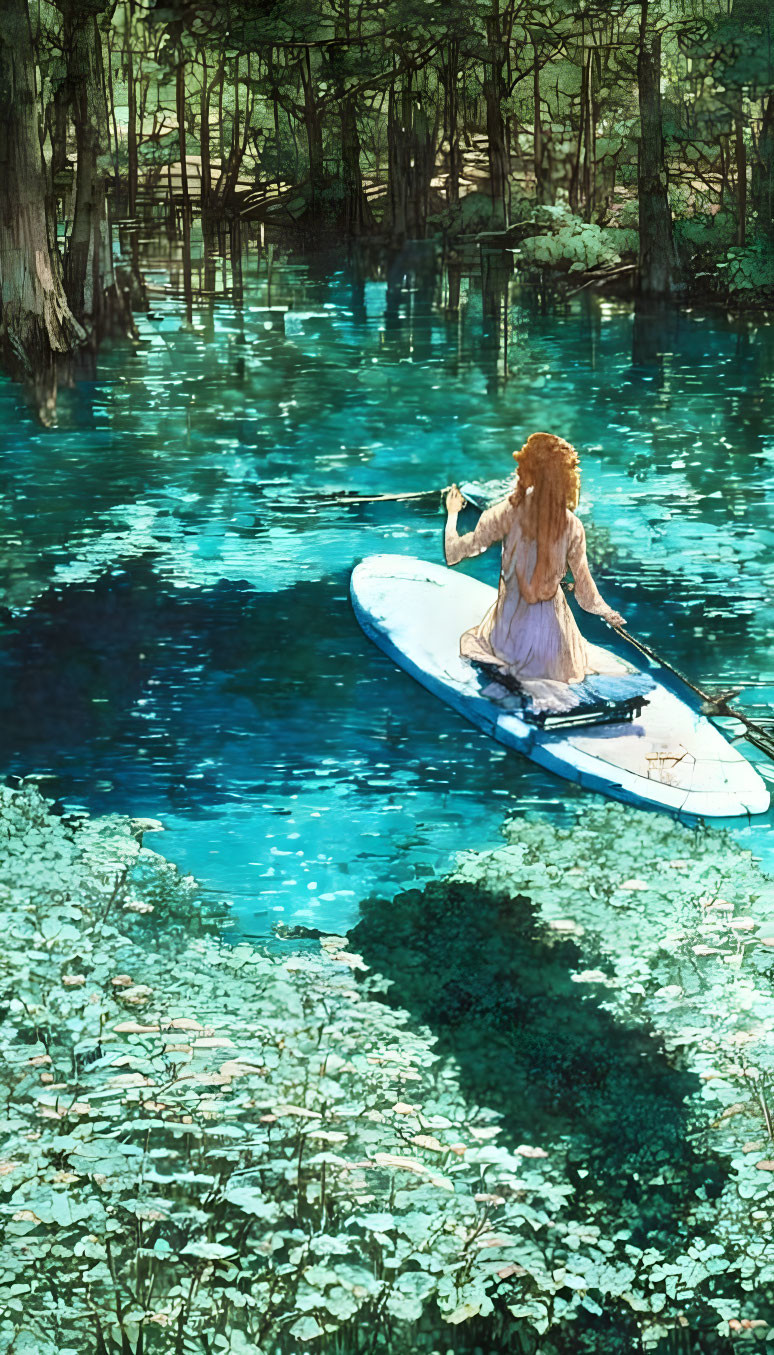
point(110, 105)
point(89, 278)
point(762, 188)
point(398, 165)
point(277, 137)
point(741, 181)
point(451, 77)
point(357, 214)
point(131, 131)
point(181, 130)
point(204, 138)
point(656, 261)
point(235, 252)
point(495, 127)
point(410, 163)
point(314, 139)
point(35, 319)
point(187, 275)
point(574, 192)
point(238, 147)
point(588, 141)
point(423, 168)
point(58, 127)
point(537, 127)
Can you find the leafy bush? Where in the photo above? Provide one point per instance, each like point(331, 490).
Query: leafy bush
point(624, 239)
point(748, 269)
point(572, 246)
point(705, 232)
point(627, 174)
point(627, 937)
point(626, 214)
point(474, 213)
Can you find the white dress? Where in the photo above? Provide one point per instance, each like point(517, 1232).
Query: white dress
point(534, 639)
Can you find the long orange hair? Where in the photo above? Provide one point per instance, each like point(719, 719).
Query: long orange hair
point(549, 466)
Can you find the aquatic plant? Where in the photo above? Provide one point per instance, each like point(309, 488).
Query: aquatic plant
point(210, 1147)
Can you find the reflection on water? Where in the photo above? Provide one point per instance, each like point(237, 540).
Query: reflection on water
point(175, 554)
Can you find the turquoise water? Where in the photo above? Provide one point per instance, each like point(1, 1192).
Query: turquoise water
point(175, 556)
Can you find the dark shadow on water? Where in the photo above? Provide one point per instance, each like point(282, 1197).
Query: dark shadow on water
point(191, 698)
point(127, 678)
point(494, 985)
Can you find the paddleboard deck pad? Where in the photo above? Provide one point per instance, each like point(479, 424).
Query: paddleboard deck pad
point(601, 698)
point(667, 756)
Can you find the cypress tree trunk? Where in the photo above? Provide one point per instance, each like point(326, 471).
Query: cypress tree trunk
point(537, 127)
point(575, 174)
point(656, 261)
point(495, 127)
point(313, 125)
point(410, 163)
point(35, 320)
point(181, 130)
point(132, 172)
point(131, 131)
point(204, 138)
point(762, 187)
point(589, 137)
point(58, 127)
point(357, 214)
point(398, 166)
point(741, 182)
point(88, 274)
point(238, 145)
point(422, 169)
point(451, 110)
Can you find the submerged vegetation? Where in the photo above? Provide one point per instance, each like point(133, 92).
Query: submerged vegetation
point(469, 1124)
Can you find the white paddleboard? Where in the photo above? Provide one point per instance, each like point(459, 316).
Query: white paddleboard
point(670, 757)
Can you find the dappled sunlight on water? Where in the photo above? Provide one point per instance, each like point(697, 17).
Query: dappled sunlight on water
point(175, 556)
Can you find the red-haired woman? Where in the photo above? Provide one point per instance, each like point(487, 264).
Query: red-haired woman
point(529, 633)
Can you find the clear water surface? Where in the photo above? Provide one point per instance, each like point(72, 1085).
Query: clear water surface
point(175, 554)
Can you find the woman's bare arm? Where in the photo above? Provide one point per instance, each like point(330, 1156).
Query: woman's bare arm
point(492, 526)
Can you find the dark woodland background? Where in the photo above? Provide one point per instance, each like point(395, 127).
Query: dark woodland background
point(634, 142)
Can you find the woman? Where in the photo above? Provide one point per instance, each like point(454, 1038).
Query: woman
point(529, 633)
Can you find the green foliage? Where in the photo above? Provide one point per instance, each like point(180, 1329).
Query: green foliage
point(163, 151)
point(749, 270)
point(224, 1149)
point(203, 1138)
point(624, 239)
point(626, 215)
point(707, 233)
point(574, 245)
point(559, 971)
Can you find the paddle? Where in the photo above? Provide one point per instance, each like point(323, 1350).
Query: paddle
point(384, 498)
point(756, 732)
point(718, 704)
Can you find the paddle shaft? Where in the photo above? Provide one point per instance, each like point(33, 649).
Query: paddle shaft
point(755, 732)
point(386, 498)
point(651, 654)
